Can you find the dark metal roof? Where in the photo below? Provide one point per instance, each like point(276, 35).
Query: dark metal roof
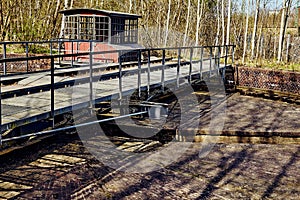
point(76, 11)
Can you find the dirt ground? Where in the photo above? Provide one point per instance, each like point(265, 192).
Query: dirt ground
point(229, 171)
point(62, 168)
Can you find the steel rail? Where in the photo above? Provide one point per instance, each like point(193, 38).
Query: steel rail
point(70, 127)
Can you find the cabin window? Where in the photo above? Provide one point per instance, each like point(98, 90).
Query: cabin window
point(71, 27)
point(115, 30)
point(87, 28)
point(102, 29)
point(124, 31)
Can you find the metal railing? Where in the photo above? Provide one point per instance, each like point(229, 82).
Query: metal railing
point(185, 56)
point(28, 49)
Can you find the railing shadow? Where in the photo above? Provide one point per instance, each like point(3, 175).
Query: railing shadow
point(277, 179)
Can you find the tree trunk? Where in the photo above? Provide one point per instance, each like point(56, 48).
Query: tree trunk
point(255, 29)
point(61, 35)
point(7, 23)
point(55, 18)
point(167, 24)
point(218, 24)
point(199, 16)
point(1, 20)
point(281, 37)
point(198, 22)
point(259, 42)
point(228, 23)
point(246, 33)
point(56, 10)
point(283, 26)
point(187, 23)
point(174, 20)
point(223, 25)
point(274, 50)
point(288, 47)
point(130, 6)
point(159, 40)
point(101, 3)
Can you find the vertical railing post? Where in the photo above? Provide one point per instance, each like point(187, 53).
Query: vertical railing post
point(232, 54)
point(148, 75)
point(210, 61)
point(139, 71)
point(226, 61)
point(163, 70)
point(72, 51)
point(77, 49)
point(226, 55)
point(120, 75)
point(178, 68)
point(52, 92)
point(0, 112)
point(91, 74)
point(235, 68)
point(4, 56)
point(219, 58)
point(201, 63)
point(59, 50)
point(237, 76)
point(27, 54)
point(51, 47)
point(191, 64)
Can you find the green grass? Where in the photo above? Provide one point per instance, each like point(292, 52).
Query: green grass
point(32, 49)
point(267, 64)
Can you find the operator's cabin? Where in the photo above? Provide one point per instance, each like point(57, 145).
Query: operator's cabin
point(109, 30)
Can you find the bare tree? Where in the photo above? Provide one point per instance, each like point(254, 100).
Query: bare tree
point(167, 24)
point(228, 23)
point(61, 35)
point(246, 33)
point(199, 16)
point(218, 23)
point(198, 23)
point(56, 15)
point(255, 28)
point(187, 22)
point(130, 6)
point(283, 26)
point(1, 19)
point(223, 25)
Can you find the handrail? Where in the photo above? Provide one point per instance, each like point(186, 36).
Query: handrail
point(104, 52)
point(214, 59)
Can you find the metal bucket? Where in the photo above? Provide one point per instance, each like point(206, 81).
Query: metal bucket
point(156, 111)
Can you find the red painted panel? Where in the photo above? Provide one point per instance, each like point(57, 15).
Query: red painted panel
point(97, 47)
